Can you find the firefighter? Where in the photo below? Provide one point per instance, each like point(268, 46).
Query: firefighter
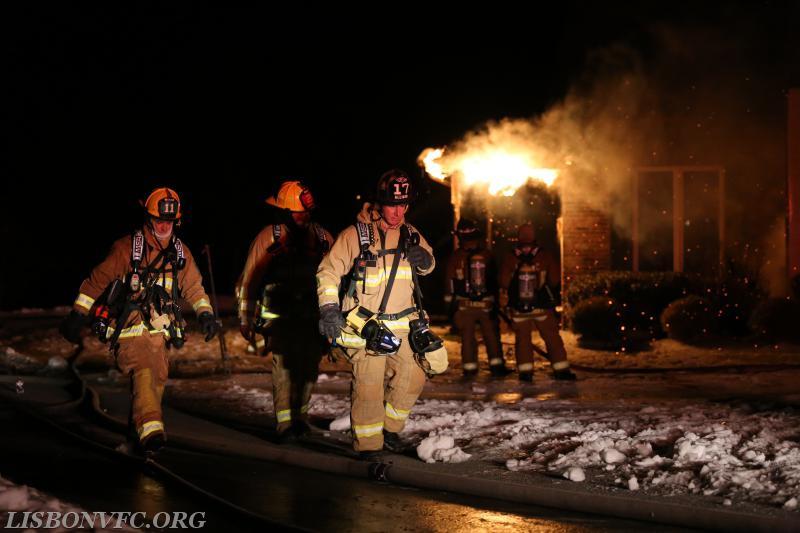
point(380, 257)
point(131, 301)
point(471, 291)
point(529, 285)
point(274, 291)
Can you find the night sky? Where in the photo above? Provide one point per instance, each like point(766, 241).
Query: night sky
point(98, 107)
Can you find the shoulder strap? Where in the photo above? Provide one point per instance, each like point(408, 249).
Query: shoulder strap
point(321, 238)
point(276, 239)
point(389, 284)
point(409, 236)
point(137, 247)
point(180, 254)
point(366, 235)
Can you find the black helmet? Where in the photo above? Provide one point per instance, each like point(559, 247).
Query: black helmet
point(394, 188)
point(467, 230)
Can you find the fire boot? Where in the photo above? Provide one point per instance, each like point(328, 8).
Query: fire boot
point(392, 442)
point(151, 444)
point(469, 372)
point(300, 428)
point(370, 455)
point(498, 371)
point(287, 436)
point(564, 374)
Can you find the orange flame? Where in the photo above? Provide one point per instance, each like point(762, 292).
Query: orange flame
point(502, 171)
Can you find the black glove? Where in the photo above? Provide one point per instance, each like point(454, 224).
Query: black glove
point(331, 321)
point(72, 325)
point(419, 257)
point(208, 325)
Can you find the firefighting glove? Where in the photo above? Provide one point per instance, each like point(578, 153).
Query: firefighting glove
point(419, 257)
point(72, 325)
point(208, 325)
point(331, 321)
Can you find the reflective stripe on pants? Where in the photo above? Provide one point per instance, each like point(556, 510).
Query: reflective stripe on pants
point(376, 408)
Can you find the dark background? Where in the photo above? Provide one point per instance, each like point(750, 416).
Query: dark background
point(101, 105)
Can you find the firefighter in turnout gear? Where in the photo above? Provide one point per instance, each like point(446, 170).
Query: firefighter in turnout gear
point(376, 324)
point(529, 288)
point(274, 291)
point(471, 291)
point(131, 301)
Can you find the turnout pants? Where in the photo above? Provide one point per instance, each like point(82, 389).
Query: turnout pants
point(467, 320)
point(144, 359)
point(296, 353)
point(545, 321)
point(377, 405)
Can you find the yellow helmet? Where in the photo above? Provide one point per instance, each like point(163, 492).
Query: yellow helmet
point(293, 196)
point(164, 204)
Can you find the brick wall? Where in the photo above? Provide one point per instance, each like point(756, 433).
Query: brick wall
point(585, 239)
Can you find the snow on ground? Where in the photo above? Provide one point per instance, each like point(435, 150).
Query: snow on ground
point(21, 498)
point(735, 452)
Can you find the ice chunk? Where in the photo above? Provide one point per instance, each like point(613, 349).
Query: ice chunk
point(633, 483)
point(341, 424)
point(644, 449)
point(650, 462)
point(57, 363)
point(441, 448)
point(791, 505)
point(575, 473)
point(612, 456)
point(451, 455)
point(431, 444)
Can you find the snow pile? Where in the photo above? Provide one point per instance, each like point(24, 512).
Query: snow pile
point(441, 448)
point(710, 449)
point(12, 358)
point(20, 499)
point(729, 452)
point(253, 400)
point(57, 363)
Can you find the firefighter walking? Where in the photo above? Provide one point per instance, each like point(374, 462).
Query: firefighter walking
point(380, 257)
point(529, 281)
point(471, 291)
point(131, 301)
point(274, 291)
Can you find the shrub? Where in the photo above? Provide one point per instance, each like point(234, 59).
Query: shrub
point(690, 319)
point(795, 287)
point(642, 296)
point(776, 319)
point(597, 318)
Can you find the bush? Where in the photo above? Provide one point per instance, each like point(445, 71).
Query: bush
point(642, 296)
point(599, 322)
point(776, 319)
point(598, 319)
point(795, 287)
point(691, 319)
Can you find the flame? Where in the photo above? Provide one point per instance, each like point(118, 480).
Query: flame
point(428, 160)
point(502, 171)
